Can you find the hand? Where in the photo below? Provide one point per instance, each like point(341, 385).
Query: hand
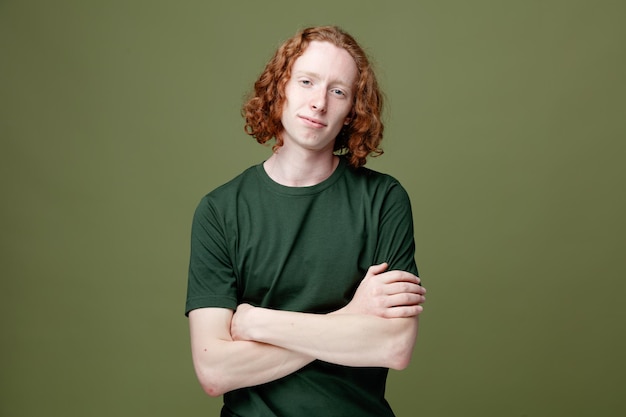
point(387, 294)
point(238, 322)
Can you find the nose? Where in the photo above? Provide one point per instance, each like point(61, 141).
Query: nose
point(318, 101)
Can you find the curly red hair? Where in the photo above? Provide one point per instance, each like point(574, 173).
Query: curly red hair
point(263, 110)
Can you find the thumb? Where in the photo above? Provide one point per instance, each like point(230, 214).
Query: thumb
point(378, 269)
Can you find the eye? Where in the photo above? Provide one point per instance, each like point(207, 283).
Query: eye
point(338, 92)
point(305, 82)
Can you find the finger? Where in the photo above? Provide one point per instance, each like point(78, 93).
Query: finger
point(404, 287)
point(403, 311)
point(377, 269)
point(402, 300)
point(400, 276)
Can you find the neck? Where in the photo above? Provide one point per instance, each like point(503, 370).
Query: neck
point(300, 172)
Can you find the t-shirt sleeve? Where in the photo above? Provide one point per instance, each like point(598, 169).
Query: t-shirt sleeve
point(211, 280)
point(396, 242)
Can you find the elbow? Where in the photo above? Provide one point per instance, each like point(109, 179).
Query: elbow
point(212, 383)
point(213, 390)
point(400, 359)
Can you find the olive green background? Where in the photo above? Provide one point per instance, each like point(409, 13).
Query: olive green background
point(505, 122)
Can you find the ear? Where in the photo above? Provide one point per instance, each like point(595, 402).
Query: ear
point(349, 117)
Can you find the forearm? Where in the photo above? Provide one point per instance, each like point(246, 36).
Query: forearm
point(222, 364)
point(345, 339)
point(231, 365)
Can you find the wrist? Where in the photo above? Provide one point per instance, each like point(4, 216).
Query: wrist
point(252, 322)
point(243, 324)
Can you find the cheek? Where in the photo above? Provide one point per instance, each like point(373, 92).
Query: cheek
point(291, 93)
point(284, 108)
point(343, 113)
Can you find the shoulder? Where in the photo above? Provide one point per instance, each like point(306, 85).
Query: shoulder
point(222, 198)
point(247, 179)
point(372, 175)
point(380, 190)
point(374, 180)
point(244, 179)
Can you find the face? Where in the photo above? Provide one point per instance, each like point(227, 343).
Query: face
point(319, 97)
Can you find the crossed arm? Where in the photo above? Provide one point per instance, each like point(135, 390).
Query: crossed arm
point(254, 345)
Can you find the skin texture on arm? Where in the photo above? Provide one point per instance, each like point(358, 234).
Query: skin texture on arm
point(222, 364)
point(377, 328)
point(343, 339)
point(225, 358)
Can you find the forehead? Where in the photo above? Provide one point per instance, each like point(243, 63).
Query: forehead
point(327, 61)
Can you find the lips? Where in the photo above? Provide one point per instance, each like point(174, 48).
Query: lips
point(311, 121)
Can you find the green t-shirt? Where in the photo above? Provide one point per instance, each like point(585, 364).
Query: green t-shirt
point(300, 249)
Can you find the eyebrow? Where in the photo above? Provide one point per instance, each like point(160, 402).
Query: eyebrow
point(311, 74)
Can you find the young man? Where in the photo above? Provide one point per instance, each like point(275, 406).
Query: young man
point(303, 289)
